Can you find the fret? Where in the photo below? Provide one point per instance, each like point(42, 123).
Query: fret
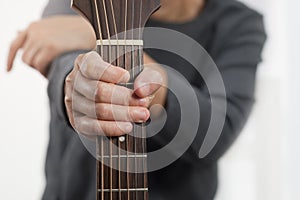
point(118, 42)
point(123, 156)
point(124, 190)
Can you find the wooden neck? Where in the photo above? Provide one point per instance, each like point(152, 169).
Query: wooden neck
point(122, 161)
point(128, 179)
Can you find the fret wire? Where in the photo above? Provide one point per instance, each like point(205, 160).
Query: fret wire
point(120, 42)
point(125, 190)
point(123, 156)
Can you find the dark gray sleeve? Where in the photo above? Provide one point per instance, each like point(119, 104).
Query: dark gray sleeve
point(237, 54)
point(58, 7)
point(60, 68)
point(236, 50)
point(63, 64)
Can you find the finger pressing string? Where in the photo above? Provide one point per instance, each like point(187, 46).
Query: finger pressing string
point(94, 67)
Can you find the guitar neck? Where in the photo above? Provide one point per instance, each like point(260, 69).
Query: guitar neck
point(122, 161)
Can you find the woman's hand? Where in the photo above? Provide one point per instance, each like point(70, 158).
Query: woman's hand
point(44, 40)
point(96, 103)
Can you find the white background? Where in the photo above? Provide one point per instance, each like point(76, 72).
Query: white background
point(263, 164)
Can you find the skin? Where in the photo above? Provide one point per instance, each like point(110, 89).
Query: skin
point(113, 112)
point(44, 40)
point(92, 105)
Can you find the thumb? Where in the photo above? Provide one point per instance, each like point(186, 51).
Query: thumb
point(148, 82)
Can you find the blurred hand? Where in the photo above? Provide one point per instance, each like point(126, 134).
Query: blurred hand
point(97, 105)
point(44, 40)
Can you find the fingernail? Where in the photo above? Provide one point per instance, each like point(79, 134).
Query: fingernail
point(125, 78)
point(140, 114)
point(128, 128)
point(144, 101)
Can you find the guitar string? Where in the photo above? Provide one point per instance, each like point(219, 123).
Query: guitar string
point(99, 26)
point(101, 52)
point(127, 136)
point(117, 63)
point(133, 75)
point(109, 59)
point(143, 138)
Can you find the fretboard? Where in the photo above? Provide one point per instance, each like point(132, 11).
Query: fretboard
point(122, 161)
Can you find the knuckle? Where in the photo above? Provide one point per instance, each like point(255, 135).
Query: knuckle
point(38, 64)
point(25, 58)
point(68, 100)
point(83, 68)
point(131, 115)
point(128, 99)
point(102, 111)
point(105, 93)
point(116, 130)
point(83, 127)
point(68, 80)
point(68, 96)
point(95, 128)
point(91, 55)
point(78, 60)
point(102, 92)
point(51, 46)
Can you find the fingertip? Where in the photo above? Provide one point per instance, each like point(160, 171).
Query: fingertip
point(147, 115)
point(128, 127)
point(125, 77)
point(125, 128)
point(8, 67)
point(142, 91)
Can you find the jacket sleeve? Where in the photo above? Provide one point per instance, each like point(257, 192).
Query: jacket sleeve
point(236, 50)
point(58, 7)
point(59, 70)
